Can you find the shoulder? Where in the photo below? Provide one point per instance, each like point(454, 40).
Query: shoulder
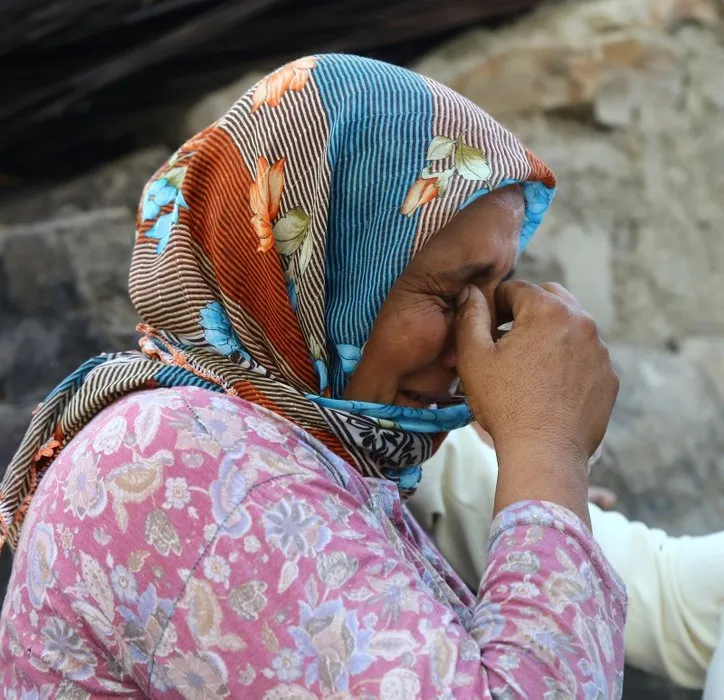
point(192, 418)
point(192, 431)
point(159, 474)
point(142, 503)
point(152, 453)
point(168, 467)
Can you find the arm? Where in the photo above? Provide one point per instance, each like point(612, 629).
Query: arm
point(544, 392)
point(343, 604)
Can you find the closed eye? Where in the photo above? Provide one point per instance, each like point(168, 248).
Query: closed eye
point(467, 275)
point(448, 301)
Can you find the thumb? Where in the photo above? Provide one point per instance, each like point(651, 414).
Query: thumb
point(473, 324)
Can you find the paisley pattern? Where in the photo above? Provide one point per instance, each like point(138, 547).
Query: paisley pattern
point(215, 550)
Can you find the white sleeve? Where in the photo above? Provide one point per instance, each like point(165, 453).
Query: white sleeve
point(676, 591)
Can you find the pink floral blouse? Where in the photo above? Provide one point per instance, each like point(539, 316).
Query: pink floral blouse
point(191, 545)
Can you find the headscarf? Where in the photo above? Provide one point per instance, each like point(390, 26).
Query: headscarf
point(266, 245)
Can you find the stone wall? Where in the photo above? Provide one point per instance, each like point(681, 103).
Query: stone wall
point(624, 99)
point(64, 256)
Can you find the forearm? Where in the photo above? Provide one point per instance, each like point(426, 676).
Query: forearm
point(560, 606)
point(398, 630)
point(542, 474)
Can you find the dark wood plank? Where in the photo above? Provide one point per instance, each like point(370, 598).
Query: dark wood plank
point(80, 76)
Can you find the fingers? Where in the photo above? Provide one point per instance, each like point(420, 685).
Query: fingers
point(473, 322)
point(512, 297)
point(604, 498)
point(518, 300)
point(558, 290)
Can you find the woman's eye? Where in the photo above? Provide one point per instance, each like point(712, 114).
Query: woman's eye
point(448, 300)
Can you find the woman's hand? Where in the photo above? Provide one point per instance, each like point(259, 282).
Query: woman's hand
point(544, 392)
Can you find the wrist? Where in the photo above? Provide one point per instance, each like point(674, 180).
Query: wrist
point(543, 471)
point(553, 454)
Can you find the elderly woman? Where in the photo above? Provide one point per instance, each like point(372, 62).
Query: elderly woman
point(222, 514)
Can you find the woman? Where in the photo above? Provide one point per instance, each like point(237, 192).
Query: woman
point(222, 515)
point(674, 626)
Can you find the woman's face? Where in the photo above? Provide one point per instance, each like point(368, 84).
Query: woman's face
point(409, 359)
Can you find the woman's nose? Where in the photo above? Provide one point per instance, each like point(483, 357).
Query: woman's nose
point(447, 356)
point(490, 297)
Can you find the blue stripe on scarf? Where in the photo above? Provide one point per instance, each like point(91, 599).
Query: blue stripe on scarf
point(178, 376)
point(373, 166)
point(73, 381)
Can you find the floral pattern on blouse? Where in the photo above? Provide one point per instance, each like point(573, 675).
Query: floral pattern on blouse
point(190, 545)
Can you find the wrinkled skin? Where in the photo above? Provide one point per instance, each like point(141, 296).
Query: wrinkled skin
point(409, 359)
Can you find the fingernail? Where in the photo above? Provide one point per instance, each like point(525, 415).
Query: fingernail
point(463, 296)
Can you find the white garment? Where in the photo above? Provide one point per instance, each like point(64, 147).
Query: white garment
point(675, 584)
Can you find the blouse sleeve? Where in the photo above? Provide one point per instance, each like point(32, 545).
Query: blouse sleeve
point(323, 602)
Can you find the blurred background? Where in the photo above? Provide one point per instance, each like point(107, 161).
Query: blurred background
point(623, 98)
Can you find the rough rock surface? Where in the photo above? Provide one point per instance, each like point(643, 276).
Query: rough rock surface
point(63, 294)
point(117, 184)
point(623, 98)
point(707, 352)
point(64, 255)
point(664, 450)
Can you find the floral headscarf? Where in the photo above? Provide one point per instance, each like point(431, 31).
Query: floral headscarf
point(267, 244)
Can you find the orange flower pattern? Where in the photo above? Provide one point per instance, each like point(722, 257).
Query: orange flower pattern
point(265, 194)
point(47, 450)
point(468, 162)
point(421, 192)
point(293, 76)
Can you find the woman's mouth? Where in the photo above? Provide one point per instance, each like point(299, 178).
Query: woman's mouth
point(428, 400)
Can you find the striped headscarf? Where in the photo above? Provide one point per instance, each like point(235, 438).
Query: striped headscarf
point(266, 245)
